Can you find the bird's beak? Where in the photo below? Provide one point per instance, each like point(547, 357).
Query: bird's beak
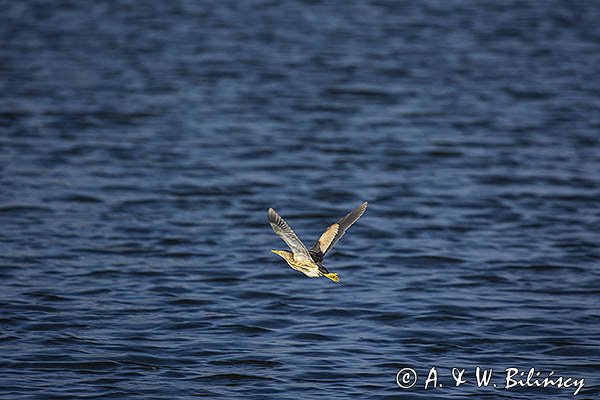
point(275, 251)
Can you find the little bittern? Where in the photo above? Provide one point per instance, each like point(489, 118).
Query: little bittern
point(310, 262)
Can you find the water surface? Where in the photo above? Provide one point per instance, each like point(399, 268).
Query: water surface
point(142, 143)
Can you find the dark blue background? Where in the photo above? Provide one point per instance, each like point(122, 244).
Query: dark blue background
point(142, 143)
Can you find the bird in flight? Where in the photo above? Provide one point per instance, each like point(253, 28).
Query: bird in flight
point(310, 262)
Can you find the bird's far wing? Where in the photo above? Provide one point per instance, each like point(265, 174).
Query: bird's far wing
point(283, 230)
point(335, 232)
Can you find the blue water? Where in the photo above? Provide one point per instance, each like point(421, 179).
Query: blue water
point(141, 144)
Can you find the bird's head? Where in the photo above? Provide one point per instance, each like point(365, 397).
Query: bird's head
point(286, 255)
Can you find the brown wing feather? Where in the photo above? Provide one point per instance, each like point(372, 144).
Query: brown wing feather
point(335, 232)
point(326, 238)
point(283, 230)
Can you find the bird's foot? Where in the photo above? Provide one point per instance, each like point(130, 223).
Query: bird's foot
point(333, 277)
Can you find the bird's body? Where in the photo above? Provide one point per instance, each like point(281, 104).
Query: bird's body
point(310, 263)
point(307, 267)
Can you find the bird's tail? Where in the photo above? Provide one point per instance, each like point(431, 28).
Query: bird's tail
point(333, 277)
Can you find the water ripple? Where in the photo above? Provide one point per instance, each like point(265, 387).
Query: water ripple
point(141, 144)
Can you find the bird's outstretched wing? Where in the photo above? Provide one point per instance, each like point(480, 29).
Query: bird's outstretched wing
point(335, 232)
point(283, 230)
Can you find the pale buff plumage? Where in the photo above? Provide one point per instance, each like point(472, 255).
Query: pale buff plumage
point(310, 263)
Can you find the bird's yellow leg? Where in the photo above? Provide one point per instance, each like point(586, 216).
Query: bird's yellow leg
point(333, 277)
